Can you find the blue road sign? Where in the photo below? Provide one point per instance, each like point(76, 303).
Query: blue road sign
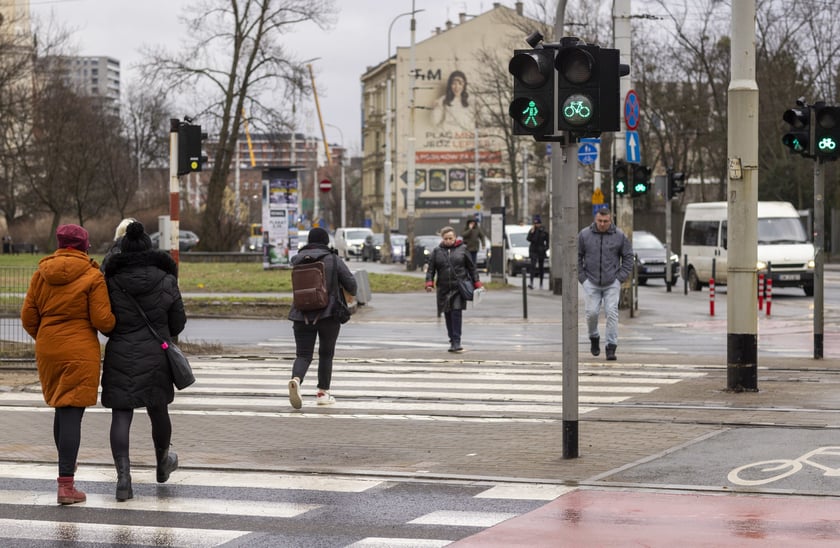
point(634, 152)
point(587, 153)
point(631, 110)
point(596, 207)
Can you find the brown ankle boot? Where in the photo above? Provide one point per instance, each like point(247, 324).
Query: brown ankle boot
point(67, 492)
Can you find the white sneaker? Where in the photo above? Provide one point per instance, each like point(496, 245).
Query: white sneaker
point(294, 393)
point(324, 398)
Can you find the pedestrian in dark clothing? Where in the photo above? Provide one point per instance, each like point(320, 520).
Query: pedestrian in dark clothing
point(605, 260)
point(135, 370)
point(322, 325)
point(537, 250)
point(474, 238)
point(65, 305)
point(450, 262)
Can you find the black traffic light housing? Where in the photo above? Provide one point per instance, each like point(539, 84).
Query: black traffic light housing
point(190, 157)
point(641, 180)
point(532, 107)
point(798, 137)
point(676, 183)
point(826, 143)
point(621, 178)
point(588, 88)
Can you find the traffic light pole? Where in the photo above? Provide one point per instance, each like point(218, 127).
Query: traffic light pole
point(174, 191)
point(819, 256)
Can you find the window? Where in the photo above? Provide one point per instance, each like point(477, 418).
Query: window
point(700, 233)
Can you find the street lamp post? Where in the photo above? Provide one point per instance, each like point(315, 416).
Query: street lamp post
point(387, 191)
point(343, 188)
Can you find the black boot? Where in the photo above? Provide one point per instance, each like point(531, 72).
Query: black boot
point(124, 490)
point(611, 352)
point(167, 462)
point(594, 345)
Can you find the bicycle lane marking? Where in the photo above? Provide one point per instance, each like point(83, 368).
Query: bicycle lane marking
point(778, 469)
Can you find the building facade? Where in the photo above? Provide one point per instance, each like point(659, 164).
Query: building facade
point(451, 143)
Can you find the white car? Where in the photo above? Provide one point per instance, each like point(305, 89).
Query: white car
point(517, 256)
point(349, 240)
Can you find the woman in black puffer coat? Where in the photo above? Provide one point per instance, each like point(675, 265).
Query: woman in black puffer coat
point(135, 371)
point(451, 262)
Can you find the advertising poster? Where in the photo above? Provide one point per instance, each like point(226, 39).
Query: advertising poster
point(280, 209)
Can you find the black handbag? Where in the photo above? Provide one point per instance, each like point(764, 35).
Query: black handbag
point(467, 289)
point(179, 365)
point(342, 311)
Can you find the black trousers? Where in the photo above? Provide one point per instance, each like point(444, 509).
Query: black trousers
point(121, 429)
point(325, 329)
point(537, 266)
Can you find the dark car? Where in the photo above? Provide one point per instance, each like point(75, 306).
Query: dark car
point(650, 257)
point(372, 247)
point(425, 244)
point(187, 239)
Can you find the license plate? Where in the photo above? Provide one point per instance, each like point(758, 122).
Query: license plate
point(789, 277)
point(655, 269)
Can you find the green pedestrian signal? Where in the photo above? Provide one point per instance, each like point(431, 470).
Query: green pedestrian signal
point(533, 90)
point(620, 175)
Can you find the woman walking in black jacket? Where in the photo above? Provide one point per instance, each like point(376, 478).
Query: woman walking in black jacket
point(135, 370)
point(451, 262)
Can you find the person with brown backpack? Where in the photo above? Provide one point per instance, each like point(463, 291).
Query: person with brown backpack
point(318, 310)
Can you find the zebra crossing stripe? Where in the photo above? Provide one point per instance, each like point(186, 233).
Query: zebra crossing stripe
point(383, 542)
point(102, 534)
point(462, 519)
point(200, 478)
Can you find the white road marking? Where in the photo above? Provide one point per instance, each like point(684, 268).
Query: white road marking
point(539, 491)
point(115, 535)
point(463, 519)
point(384, 542)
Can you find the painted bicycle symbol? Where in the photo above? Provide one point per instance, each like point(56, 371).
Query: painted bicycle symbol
point(768, 471)
point(577, 108)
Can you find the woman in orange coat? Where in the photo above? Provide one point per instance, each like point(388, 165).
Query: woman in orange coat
point(67, 302)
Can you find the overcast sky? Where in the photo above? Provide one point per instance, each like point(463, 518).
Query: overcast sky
point(359, 38)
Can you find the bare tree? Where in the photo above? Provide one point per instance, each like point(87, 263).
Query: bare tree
point(235, 60)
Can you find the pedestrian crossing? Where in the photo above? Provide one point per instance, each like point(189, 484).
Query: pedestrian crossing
point(451, 390)
point(225, 505)
point(277, 508)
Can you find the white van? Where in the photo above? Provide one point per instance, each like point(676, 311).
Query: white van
point(782, 245)
point(349, 240)
point(517, 256)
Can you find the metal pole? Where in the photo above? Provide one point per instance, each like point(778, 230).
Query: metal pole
point(669, 273)
point(386, 198)
point(819, 257)
point(174, 190)
point(409, 195)
point(742, 194)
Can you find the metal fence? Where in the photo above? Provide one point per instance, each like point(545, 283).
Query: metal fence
point(15, 343)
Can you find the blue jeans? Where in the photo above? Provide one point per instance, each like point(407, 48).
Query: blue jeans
point(595, 296)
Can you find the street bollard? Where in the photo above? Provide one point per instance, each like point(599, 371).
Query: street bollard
point(769, 296)
point(761, 291)
point(524, 293)
point(711, 296)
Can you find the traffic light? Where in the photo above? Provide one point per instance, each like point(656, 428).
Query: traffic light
point(621, 180)
point(533, 92)
point(190, 157)
point(588, 88)
point(676, 183)
point(798, 137)
point(826, 132)
point(641, 180)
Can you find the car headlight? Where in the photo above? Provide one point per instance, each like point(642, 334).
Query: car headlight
point(675, 259)
point(518, 257)
point(761, 265)
point(812, 264)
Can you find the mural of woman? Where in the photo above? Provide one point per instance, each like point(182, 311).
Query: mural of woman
point(453, 108)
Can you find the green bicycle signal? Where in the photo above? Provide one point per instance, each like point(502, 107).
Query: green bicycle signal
point(577, 109)
point(827, 144)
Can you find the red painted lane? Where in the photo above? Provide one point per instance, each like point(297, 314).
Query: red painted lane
point(586, 518)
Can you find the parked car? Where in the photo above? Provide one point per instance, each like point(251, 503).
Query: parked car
point(349, 240)
point(187, 239)
point(482, 258)
point(425, 244)
point(398, 250)
point(372, 247)
point(650, 257)
point(517, 256)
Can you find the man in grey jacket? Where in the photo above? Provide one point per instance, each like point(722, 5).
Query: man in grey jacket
point(605, 260)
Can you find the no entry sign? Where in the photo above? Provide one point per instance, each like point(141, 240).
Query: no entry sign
point(325, 185)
